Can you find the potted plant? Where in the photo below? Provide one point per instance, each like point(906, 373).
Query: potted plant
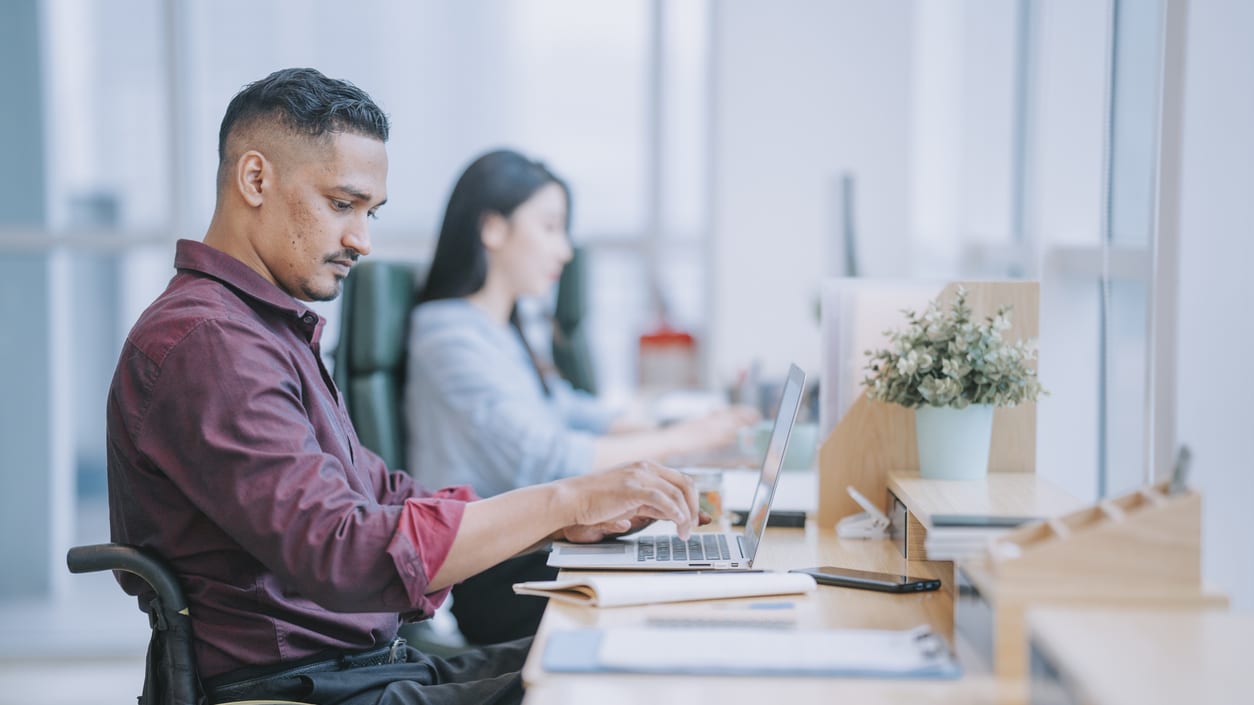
point(953, 372)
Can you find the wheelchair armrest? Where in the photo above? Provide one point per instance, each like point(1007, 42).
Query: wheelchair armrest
point(170, 673)
point(116, 556)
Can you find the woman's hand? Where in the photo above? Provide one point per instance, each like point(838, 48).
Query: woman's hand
point(716, 429)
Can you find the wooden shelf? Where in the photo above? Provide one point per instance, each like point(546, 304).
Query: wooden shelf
point(1006, 494)
point(1003, 494)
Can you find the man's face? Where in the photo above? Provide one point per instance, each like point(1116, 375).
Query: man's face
point(317, 218)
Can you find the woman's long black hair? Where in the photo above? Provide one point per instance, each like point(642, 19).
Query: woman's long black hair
point(497, 182)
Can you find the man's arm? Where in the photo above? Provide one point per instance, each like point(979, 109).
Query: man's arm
point(583, 507)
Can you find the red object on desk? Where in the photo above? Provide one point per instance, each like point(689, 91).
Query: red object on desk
point(668, 359)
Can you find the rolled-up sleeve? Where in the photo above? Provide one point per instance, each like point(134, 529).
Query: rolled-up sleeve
point(427, 528)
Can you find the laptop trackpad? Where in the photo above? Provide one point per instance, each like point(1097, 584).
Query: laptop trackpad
point(594, 549)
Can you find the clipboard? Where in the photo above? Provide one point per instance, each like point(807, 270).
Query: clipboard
point(743, 651)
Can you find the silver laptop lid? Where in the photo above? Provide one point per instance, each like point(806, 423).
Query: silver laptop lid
point(768, 479)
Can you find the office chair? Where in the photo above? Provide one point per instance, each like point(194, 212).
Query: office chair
point(369, 370)
point(370, 365)
point(170, 676)
point(571, 353)
point(370, 357)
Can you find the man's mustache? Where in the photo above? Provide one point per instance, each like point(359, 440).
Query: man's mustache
point(349, 255)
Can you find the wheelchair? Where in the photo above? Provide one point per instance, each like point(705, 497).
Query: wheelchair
point(170, 676)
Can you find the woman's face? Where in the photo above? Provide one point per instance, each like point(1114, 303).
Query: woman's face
point(534, 246)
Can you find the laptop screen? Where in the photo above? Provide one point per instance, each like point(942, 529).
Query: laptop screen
point(789, 403)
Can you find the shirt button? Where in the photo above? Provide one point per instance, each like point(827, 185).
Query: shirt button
point(309, 319)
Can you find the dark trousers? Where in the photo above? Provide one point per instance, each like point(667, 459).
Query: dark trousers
point(488, 611)
point(488, 675)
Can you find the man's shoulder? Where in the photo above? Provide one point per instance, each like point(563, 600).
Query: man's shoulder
point(187, 305)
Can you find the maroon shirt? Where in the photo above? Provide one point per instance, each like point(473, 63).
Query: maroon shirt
point(231, 455)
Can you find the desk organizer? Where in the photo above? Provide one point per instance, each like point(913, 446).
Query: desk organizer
point(1141, 549)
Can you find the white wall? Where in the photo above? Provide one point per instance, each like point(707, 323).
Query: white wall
point(1216, 334)
point(803, 91)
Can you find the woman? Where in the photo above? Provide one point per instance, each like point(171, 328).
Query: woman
point(479, 411)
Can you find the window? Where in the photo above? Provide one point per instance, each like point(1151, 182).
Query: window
point(612, 97)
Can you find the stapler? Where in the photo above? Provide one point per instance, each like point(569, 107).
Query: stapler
point(870, 524)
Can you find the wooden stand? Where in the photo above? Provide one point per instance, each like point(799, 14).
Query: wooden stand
point(1141, 549)
point(873, 438)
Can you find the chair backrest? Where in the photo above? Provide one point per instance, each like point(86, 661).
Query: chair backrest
point(571, 352)
point(370, 356)
point(170, 671)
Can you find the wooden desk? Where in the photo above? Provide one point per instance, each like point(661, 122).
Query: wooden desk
point(828, 607)
point(1126, 657)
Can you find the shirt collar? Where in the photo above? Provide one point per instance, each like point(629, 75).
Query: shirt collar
point(199, 257)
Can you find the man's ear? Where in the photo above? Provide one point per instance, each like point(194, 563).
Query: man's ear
point(493, 229)
point(252, 171)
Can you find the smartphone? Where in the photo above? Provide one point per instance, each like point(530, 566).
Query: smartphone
point(867, 580)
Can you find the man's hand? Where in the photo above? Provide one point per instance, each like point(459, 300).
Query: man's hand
point(605, 530)
point(626, 498)
point(613, 530)
point(591, 507)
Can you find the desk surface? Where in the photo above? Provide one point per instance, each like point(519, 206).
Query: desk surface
point(829, 607)
point(1118, 657)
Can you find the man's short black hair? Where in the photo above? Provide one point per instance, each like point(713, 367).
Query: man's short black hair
point(305, 102)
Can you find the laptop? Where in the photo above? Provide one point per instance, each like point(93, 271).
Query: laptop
point(703, 550)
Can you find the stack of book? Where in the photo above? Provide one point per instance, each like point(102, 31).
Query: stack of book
point(953, 537)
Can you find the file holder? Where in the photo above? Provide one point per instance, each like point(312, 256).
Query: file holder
point(1141, 549)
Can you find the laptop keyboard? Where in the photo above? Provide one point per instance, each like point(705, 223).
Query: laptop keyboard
point(699, 547)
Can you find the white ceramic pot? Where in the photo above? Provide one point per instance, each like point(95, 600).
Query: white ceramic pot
point(953, 443)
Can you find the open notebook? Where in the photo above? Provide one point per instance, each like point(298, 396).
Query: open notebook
point(649, 588)
point(702, 550)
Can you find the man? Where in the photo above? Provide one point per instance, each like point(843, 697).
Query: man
point(232, 456)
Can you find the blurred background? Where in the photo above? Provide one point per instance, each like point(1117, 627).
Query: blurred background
point(725, 159)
